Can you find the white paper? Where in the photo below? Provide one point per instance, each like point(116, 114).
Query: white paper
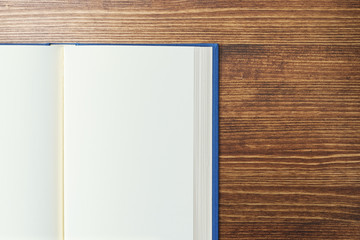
point(30, 193)
point(128, 142)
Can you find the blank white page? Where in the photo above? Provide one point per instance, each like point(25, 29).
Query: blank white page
point(128, 142)
point(30, 143)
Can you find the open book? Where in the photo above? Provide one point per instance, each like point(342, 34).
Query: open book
point(110, 142)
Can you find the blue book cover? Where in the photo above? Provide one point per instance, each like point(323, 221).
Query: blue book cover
point(215, 118)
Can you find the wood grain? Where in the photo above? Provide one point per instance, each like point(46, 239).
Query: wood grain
point(290, 126)
point(289, 98)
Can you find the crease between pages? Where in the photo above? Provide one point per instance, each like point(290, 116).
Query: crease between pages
point(61, 135)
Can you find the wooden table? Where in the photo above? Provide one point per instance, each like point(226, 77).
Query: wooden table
point(289, 98)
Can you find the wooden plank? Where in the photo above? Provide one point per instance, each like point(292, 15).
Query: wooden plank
point(224, 25)
point(184, 5)
point(290, 142)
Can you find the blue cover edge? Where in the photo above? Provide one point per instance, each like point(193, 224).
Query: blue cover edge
point(215, 143)
point(150, 44)
point(116, 44)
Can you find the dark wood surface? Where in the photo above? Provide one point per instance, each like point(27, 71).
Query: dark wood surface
point(289, 98)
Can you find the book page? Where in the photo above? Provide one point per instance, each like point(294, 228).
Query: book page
point(30, 143)
point(128, 150)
